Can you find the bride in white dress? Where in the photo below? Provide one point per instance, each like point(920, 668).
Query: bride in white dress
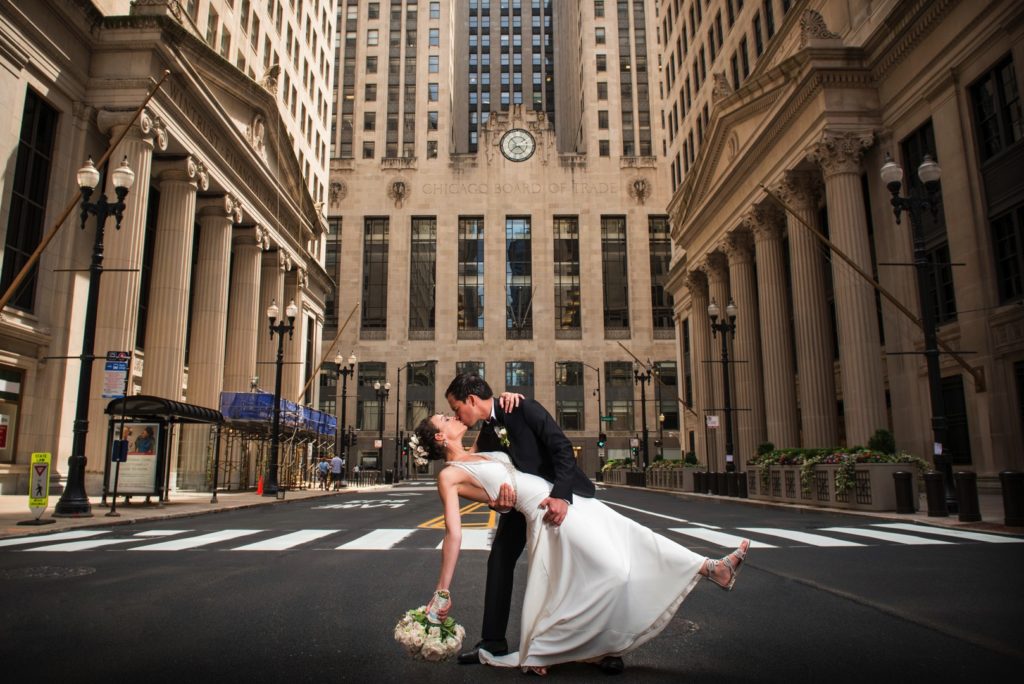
point(598, 585)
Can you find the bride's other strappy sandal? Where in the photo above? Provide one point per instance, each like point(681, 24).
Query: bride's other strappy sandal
point(734, 569)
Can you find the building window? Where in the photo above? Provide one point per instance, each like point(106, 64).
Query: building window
point(431, 149)
point(476, 368)
point(371, 64)
point(661, 255)
point(368, 149)
point(599, 35)
point(598, 8)
point(998, 122)
point(665, 393)
point(744, 58)
point(518, 278)
point(618, 381)
point(603, 148)
point(369, 411)
point(432, 92)
point(433, 64)
point(602, 62)
point(519, 377)
point(370, 92)
point(373, 10)
point(372, 37)
point(1008, 247)
point(10, 404)
point(29, 191)
point(567, 273)
point(431, 121)
point(602, 90)
point(369, 121)
point(435, 37)
point(569, 394)
point(212, 24)
point(602, 119)
point(375, 274)
point(769, 18)
point(422, 278)
point(420, 378)
point(615, 276)
point(958, 438)
point(435, 10)
point(758, 38)
point(687, 365)
point(471, 273)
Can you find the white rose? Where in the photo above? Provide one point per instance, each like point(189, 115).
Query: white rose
point(434, 632)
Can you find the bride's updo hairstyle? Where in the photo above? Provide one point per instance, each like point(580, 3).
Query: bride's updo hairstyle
point(425, 432)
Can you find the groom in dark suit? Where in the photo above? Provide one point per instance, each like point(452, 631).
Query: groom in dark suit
point(536, 445)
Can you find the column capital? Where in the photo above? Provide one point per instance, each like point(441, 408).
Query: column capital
point(716, 265)
point(764, 221)
point(799, 189)
point(738, 246)
point(840, 152)
point(188, 170)
point(226, 206)
point(148, 126)
point(697, 281)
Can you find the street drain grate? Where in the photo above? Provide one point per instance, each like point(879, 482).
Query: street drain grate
point(46, 572)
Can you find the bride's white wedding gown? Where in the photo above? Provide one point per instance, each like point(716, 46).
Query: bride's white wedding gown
point(598, 585)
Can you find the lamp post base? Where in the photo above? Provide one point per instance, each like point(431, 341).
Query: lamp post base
point(74, 503)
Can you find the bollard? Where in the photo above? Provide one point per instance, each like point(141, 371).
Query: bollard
point(935, 493)
point(743, 485)
point(723, 486)
point(904, 482)
point(967, 496)
point(1012, 482)
point(713, 483)
point(698, 482)
point(732, 487)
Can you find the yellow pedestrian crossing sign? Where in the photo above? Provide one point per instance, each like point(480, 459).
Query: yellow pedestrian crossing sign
point(39, 483)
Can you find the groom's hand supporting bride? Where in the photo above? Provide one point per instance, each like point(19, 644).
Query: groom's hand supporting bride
point(506, 500)
point(556, 510)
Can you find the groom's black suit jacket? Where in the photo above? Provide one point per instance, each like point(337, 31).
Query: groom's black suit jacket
point(539, 447)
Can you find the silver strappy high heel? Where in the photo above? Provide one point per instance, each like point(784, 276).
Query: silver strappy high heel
point(734, 569)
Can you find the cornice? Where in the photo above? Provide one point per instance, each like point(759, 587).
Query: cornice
point(907, 26)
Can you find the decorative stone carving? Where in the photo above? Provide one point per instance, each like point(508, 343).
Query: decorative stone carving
point(722, 89)
point(839, 153)
point(639, 189)
point(233, 208)
point(764, 221)
point(799, 189)
point(197, 170)
point(269, 80)
point(812, 27)
point(262, 237)
point(301, 278)
point(398, 191)
point(697, 281)
point(257, 132)
point(738, 246)
point(338, 192)
point(150, 126)
point(284, 260)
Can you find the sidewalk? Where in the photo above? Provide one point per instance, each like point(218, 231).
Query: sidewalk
point(14, 508)
point(989, 505)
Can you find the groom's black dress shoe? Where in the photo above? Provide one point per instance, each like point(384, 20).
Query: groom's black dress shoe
point(492, 646)
point(612, 665)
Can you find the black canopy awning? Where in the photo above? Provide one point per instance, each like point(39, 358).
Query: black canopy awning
point(142, 406)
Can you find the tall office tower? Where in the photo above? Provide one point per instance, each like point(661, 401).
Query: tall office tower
point(497, 203)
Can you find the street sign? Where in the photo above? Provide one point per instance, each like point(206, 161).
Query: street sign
point(39, 483)
point(711, 422)
point(608, 419)
point(115, 374)
point(119, 451)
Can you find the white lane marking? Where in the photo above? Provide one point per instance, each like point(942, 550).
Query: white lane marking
point(286, 541)
point(958, 534)
point(71, 534)
point(802, 537)
point(729, 541)
point(656, 515)
point(84, 545)
point(886, 536)
point(160, 533)
point(474, 540)
point(378, 540)
point(194, 542)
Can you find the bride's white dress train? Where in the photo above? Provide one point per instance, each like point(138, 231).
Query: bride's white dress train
point(598, 585)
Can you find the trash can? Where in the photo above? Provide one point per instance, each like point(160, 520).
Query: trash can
point(698, 482)
point(389, 476)
point(1012, 482)
point(599, 476)
point(967, 496)
point(904, 483)
point(935, 493)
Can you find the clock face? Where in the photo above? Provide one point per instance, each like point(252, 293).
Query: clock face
point(518, 145)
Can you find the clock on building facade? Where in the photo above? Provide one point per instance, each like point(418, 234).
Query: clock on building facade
point(518, 145)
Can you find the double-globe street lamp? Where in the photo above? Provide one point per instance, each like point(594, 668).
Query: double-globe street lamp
point(73, 501)
point(727, 327)
point(929, 173)
point(382, 400)
point(642, 377)
point(278, 327)
point(346, 372)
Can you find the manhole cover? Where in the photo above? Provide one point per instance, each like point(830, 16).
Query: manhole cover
point(45, 572)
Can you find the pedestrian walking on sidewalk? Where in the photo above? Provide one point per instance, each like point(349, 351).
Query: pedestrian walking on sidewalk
point(336, 471)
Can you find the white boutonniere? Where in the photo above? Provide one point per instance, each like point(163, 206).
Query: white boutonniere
point(502, 433)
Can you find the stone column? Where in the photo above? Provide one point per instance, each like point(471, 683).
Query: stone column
point(748, 423)
point(117, 316)
point(776, 337)
point(700, 345)
point(246, 320)
point(294, 377)
point(273, 269)
point(811, 320)
point(859, 346)
point(164, 373)
point(717, 269)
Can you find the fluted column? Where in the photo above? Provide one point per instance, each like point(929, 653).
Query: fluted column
point(748, 422)
point(117, 315)
point(171, 278)
point(273, 269)
point(293, 377)
point(776, 338)
point(717, 269)
point(811, 320)
point(247, 321)
point(859, 347)
point(700, 340)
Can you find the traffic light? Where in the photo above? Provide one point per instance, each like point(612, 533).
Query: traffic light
point(601, 439)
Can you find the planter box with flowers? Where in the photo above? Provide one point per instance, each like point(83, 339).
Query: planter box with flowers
point(854, 478)
point(671, 475)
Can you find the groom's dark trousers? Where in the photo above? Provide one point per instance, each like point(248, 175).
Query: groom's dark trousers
point(508, 544)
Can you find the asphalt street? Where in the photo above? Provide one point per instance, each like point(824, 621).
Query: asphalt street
point(310, 592)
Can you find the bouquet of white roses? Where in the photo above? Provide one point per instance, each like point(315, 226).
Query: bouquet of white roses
point(427, 640)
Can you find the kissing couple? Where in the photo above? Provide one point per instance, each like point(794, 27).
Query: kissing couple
point(599, 585)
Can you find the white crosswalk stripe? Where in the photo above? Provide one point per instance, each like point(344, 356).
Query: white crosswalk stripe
point(195, 542)
point(84, 545)
point(885, 536)
point(286, 541)
point(474, 540)
point(378, 540)
point(160, 533)
point(958, 534)
point(71, 534)
point(802, 537)
point(729, 541)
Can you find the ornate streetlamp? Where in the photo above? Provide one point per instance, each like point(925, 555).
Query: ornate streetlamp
point(728, 328)
point(346, 372)
point(642, 377)
point(279, 328)
point(74, 503)
point(929, 173)
point(382, 399)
